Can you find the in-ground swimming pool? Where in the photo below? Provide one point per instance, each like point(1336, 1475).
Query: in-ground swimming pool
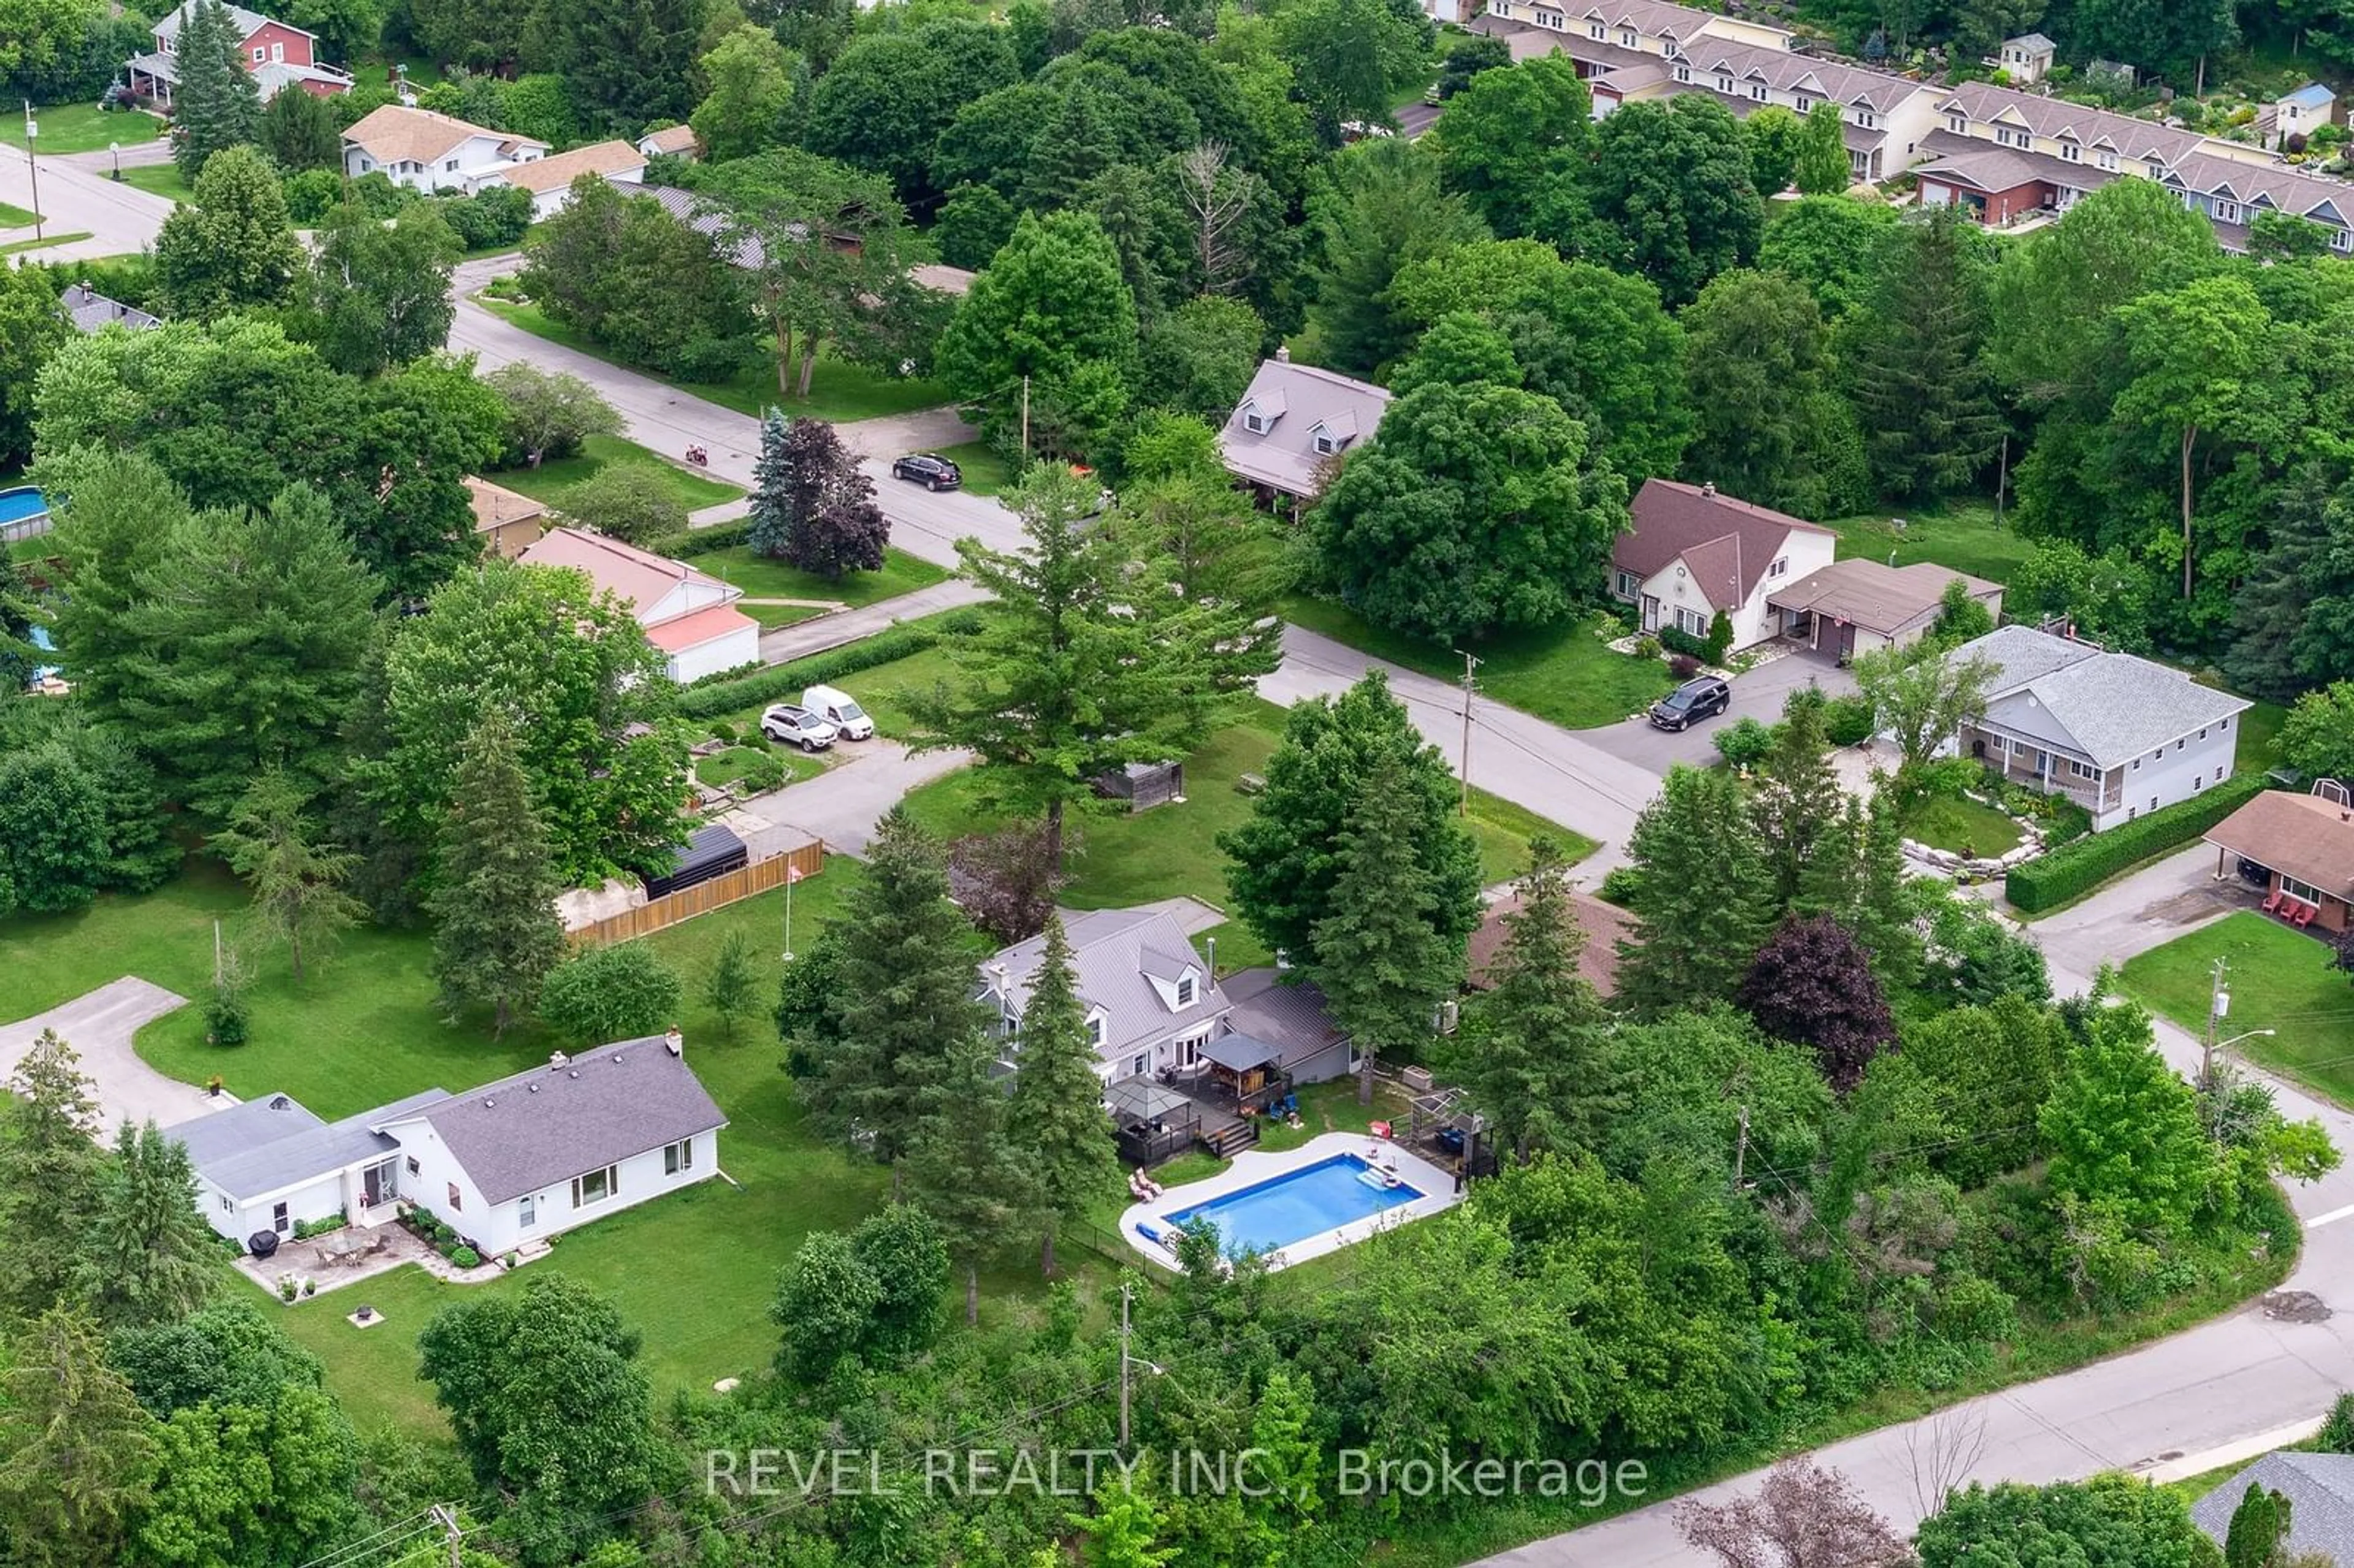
point(1296, 1205)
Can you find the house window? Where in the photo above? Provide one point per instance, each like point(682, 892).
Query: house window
point(2156, 170)
point(452, 165)
point(678, 1157)
point(1757, 91)
point(1865, 119)
point(414, 1169)
point(1185, 991)
point(2197, 781)
point(2071, 151)
point(1724, 81)
point(278, 52)
point(1628, 583)
point(594, 1187)
point(1096, 1032)
point(2203, 735)
point(256, 54)
point(1254, 422)
point(1959, 124)
point(2304, 891)
point(1327, 443)
point(2083, 770)
point(2225, 726)
point(1683, 73)
point(2222, 773)
point(1802, 103)
point(1780, 568)
point(2107, 160)
point(278, 1220)
point(2178, 745)
point(1692, 622)
point(455, 1200)
point(1596, 30)
point(2153, 802)
point(228, 1206)
point(1142, 1064)
point(1626, 37)
point(2136, 764)
point(2227, 211)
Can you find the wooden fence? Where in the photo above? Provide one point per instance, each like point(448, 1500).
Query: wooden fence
point(671, 908)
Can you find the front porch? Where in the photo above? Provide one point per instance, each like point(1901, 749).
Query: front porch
point(2019, 760)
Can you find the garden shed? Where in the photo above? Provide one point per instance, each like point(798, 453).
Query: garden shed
point(1144, 785)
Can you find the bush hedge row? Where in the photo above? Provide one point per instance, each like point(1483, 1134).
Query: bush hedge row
point(702, 541)
point(2077, 867)
point(779, 682)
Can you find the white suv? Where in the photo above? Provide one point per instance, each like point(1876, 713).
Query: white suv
point(796, 726)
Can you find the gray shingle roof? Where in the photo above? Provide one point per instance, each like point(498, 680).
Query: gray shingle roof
point(1301, 397)
point(1876, 596)
point(2320, 1490)
point(247, 23)
point(1113, 953)
point(276, 1143)
point(550, 1124)
point(2115, 705)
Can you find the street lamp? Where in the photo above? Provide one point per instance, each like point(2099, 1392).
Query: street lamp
point(2234, 1040)
point(115, 148)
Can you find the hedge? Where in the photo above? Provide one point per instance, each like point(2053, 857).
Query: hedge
point(2077, 867)
point(779, 682)
point(702, 541)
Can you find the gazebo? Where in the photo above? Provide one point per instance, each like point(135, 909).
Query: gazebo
point(1247, 1068)
point(1152, 1122)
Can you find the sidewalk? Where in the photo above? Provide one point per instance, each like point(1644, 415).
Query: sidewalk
point(819, 633)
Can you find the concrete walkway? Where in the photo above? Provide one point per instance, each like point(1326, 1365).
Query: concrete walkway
point(100, 1026)
point(820, 632)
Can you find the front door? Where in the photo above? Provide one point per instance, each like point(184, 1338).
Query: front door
point(1651, 613)
point(379, 1184)
point(528, 1213)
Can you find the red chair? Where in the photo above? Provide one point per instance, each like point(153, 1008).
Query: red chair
point(2273, 903)
point(2304, 916)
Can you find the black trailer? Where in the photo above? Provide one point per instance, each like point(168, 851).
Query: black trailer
point(713, 851)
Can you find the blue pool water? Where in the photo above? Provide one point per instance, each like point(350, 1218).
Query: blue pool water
point(21, 504)
point(1296, 1205)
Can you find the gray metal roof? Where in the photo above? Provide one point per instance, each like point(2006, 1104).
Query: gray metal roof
point(1283, 1010)
point(1241, 1053)
point(1114, 953)
point(247, 23)
point(2114, 705)
point(2320, 1490)
point(537, 1129)
point(1300, 397)
point(281, 1145)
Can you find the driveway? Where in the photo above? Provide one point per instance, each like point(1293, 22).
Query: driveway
point(1756, 694)
point(840, 806)
point(99, 1027)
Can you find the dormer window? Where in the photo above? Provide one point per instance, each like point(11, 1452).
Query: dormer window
point(1626, 37)
point(1186, 990)
point(1256, 422)
point(1596, 30)
point(2069, 151)
point(1724, 81)
point(1096, 1032)
point(1802, 103)
point(1865, 119)
point(1757, 91)
point(1959, 124)
point(1683, 73)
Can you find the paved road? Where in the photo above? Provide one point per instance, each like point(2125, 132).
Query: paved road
point(2199, 1391)
point(1756, 694)
point(100, 1026)
point(120, 220)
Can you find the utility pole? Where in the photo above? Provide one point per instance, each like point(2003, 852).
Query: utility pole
point(2219, 1006)
point(1463, 806)
point(2002, 480)
point(1025, 419)
point(446, 1516)
point(1740, 1149)
point(33, 167)
point(1127, 1293)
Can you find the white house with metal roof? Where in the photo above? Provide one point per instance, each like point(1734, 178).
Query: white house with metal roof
point(1152, 1003)
point(2117, 735)
point(511, 1162)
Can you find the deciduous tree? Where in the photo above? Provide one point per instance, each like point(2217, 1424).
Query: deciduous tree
point(250, 1483)
point(882, 104)
point(749, 78)
point(1922, 696)
point(2110, 1519)
point(1804, 1516)
point(1822, 168)
point(31, 330)
point(1774, 137)
point(623, 992)
point(53, 838)
point(1351, 57)
point(833, 525)
point(1061, 1140)
point(2123, 1127)
point(631, 502)
point(1812, 985)
point(732, 987)
point(1771, 427)
point(380, 292)
point(234, 246)
point(1512, 142)
point(550, 413)
point(1054, 308)
point(496, 931)
point(1670, 190)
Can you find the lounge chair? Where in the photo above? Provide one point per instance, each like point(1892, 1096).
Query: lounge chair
point(2273, 902)
point(2304, 916)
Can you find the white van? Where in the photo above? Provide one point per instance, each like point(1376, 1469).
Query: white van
point(839, 709)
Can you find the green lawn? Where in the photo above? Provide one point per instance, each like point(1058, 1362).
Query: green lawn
point(79, 127)
point(771, 616)
point(161, 179)
point(2280, 978)
point(1963, 827)
point(840, 392)
point(2260, 729)
point(1564, 675)
point(725, 767)
point(43, 242)
point(17, 216)
point(550, 479)
point(1961, 534)
point(761, 577)
point(985, 474)
point(1122, 858)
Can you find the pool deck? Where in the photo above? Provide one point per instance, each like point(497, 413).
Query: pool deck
point(1254, 1166)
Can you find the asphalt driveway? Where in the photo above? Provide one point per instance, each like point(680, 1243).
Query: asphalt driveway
point(1756, 694)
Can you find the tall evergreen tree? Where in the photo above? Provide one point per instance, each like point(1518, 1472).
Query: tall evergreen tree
point(626, 63)
point(1384, 957)
point(1915, 369)
point(1382, 209)
point(1536, 1054)
point(905, 1005)
point(50, 1168)
point(216, 104)
point(296, 877)
point(148, 1257)
point(1797, 795)
point(496, 931)
point(2292, 618)
point(772, 488)
point(1062, 1142)
point(298, 131)
point(1702, 897)
point(80, 1453)
point(964, 1172)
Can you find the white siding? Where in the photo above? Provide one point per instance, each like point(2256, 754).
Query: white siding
point(741, 646)
point(2184, 768)
point(312, 1201)
point(639, 1178)
point(1806, 552)
point(429, 1170)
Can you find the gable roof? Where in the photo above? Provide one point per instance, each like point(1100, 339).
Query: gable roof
point(1302, 396)
point(2114, 706)
point(2320, 1489)
point(670, 139)
point(1784, 71)
point(268, 1145)
point(538, 1128)
point(93, 311)
point(638, 579)
point(2312, 95)
point(1725, 544)
point(395, 134)
point(1113, 952)
point(1597, 961)
point(1877, 597)
point(560, 169)
point(247, 23)
point(1984, 166)
point(2057, 118)
point(495, 505)
point(2303, 836)
point(2032, 43)
point(695, 629)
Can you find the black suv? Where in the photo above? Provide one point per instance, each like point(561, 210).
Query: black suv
point(930, 472)
point(1691, 702)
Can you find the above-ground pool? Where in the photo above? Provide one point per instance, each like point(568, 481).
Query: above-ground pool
point(22, 504)
point(1309, 1201)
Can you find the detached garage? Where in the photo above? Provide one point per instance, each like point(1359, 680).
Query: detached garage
point(1853, 607)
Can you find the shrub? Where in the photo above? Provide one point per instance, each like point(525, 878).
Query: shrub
point(288, 1288)
point(1720, 637)
point(704, 541)
point(622, 992)
point(465, 1257)
point(226, 1019)
point(1683, 666)
point(2060, 875)
point(1646, 646)
point(779, 682)
point(2337, 1433)
point(1745, 741)
point(1847, 721)
point(721, 729)
point(1675, 639)
point(765, 771)
point(1618, 886)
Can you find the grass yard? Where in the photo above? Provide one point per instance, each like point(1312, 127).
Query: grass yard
point(2280, 979)
point(1121, 859)
point(761, 577)
point(79, 127)
point(1961, 534)
point(985, 474)
point(161, 179)
point(724, 768)
point(1963, 827)
point(1565, 674)
point(840, 392)
point(549, 480)
point(771, 616)
point(17, 216)
point(42, 242)
point(2259, 747)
